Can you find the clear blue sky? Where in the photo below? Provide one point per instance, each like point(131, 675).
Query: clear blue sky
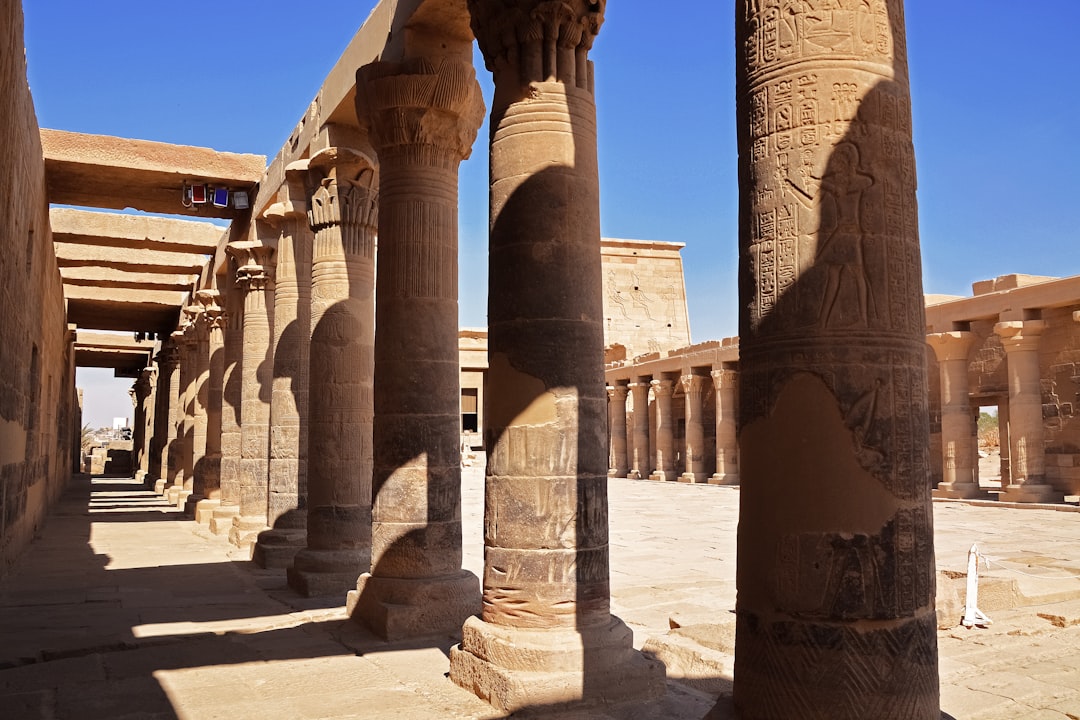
point(995, 93)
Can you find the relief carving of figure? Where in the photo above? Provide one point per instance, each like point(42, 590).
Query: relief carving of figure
point(839, 194)
point(639, 298)
point(615, 295)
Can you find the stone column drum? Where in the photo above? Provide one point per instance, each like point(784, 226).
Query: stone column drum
point(142, 393)
point(221, 518)
point(725, 385)
point(168, 360)
point(960, 471)
point(640, 460)
point(663, 431)
point(208, 467)
point(618, 466)
point(835, 613)
point(179, 448)
point(693, 387)
point(277, 546)
point(1027, 454)
point(343, 213)
point(255, 276)
point(200, 395)
point(546, 634)
point(422, 117)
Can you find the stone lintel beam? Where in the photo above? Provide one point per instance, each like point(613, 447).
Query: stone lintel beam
point(130, 259)
point(134, 231)
point(119, 173)
point(114, 358)
point(1004, 304)
point(107, 277)
point(121, 296)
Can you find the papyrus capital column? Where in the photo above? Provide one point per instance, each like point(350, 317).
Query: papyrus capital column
point(343, 191)
point(255, 278)
point(141, 391)
point(422, 116)
point(693, 387)
point(617, 464)
point(664, 462)
point(168, 361)
point(231, 400)
point(546, 633)
point(1027, 454)
point(726, 386)
point(640, 459)
point(208, 466)
point(959, 472)
point(836, 563)
point(180, 447)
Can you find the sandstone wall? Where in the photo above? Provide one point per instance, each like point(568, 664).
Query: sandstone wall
point(36, 376)
point(644, 296)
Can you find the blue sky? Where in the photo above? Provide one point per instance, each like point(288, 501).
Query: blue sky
point(994, 95)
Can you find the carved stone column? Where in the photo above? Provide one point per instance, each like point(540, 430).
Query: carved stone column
point(141, 393)
point(221, 519)
point(1027, 454)
point(180, 447)
point(208, 467)
point(960, 473)
point(546, 634)
point(725, 385)
point(835, 613)
point(664, 460)
point(640, 458)
point(199, 330)
point(618, 466)
point(287, 514)
point(168, 382)
point(255, 276)
point(693, 387)
point(343, 215)
point(422, 117)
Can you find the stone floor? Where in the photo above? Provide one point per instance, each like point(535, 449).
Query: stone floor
point(125, 609)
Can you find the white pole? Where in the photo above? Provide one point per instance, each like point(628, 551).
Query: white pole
point(972, 615)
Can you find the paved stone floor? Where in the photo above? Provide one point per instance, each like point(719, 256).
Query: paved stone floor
point(125, 609)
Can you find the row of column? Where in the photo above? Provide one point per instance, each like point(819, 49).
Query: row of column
point(642, 444)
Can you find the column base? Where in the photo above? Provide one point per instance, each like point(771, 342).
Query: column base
point(159, 486)
point(140, 476)
point(663, 475)
point(724, 479)
point(222, 519)
point(1033, 493)
point(960, 491)
point(188, 501)
point(276, 548)
point(405, 608)
point(633, 475)
point(327, 572)
point(172, 493)
point(204, 510)
point(618, 473)
point(693, 477)
point(516, 668)
point(245, 530)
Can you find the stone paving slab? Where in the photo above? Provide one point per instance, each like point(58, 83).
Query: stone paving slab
point(126, 608)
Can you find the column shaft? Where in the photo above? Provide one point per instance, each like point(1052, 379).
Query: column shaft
point(231, 403)
point(618, 465)
point(693, 387)
point(640, 459)
point(835, 612)
point(664, 431)
point(208, 468)
point(164, 430)
point(725, 385)
point(958, 447)
point(423, 117)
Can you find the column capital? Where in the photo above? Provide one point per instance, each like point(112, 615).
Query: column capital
point(1020, 335)
point(168, 357)
point(420, 102)
point(692, 383)
point(724, 378)
point(254, 261)
point(526, 37)
point(618, 389)
point(344, 191)
point(954, 345)
point(663, 387)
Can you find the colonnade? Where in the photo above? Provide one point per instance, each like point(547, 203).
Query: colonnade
point(376, 508)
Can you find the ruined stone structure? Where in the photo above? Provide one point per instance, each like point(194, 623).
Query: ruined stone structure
point(313, 412)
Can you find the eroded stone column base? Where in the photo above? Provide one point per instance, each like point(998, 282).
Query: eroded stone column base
point(691, 477)
point(315, 573)
point(204, 511)
point(725, 479)
point(663, 475)
point(633, 475)
point(276, 548)
point(403, 608)
point(245, 530)
point(514, 668)
point(173, 494)
point(960, 491)
point(1031, 494)
point(221, 521)
point(159, 487)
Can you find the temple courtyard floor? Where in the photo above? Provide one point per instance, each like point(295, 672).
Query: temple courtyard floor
point(124, 608)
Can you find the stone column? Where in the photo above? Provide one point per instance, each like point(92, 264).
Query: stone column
point(208, 467)
point(664, 459)
point(1027, 455)
point(277, 546)
point(1003, 441)
point(618, 466)
point(546, 634)
point(180, 446)
point(960, 477)
point(693, 387)
point(835, 611)
point(343, 215)
point(195, 484)
point(221, 520)
point(640, 459)
point(141, 392)
point(725, 384)
point(168, 383)
point(255, 276)
point(422, 117)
